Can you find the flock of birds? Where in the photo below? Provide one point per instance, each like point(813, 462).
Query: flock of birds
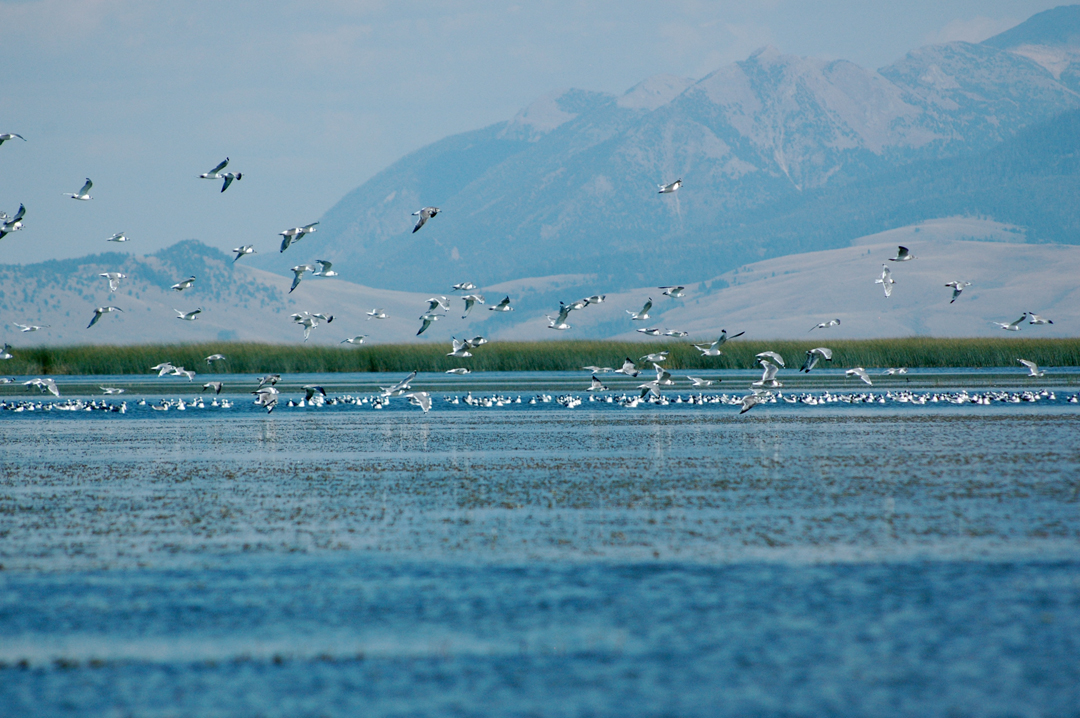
point(439, 307)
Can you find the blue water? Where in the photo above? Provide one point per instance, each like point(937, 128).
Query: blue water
point(829, 559)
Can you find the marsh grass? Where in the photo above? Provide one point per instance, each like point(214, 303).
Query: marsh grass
point(246, 358)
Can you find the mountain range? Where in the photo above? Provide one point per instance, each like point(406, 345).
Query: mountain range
point(778, 154)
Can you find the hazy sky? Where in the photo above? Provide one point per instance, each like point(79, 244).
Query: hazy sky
point(311, 99)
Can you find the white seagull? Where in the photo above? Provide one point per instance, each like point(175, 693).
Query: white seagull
point(213, 358)
point(298, 274)
point(184, 284)
point(424, 214)
point(10, 136)
point(459, 370)
point(650, 331)
point(628, 368)
point(503, 306)
point(229, 177)
point(1032, 367)
point(11, 224)
point(813, 356)
point(675, 333)
point(957, 287)
point(460, 349)
point(655, 357)
point(596, 385)
point(673, 292)
point(30, 327)
point(118, 237)
point(188, 316)
point(886, 280)
point(643, 314)
point(84, 193)
point(421, 399)
point(713, 349)
point(464, 287)
point(400, 387)
point(771, 356)
point(242, 250)
point(902, 255)
point(358, 339)
point(216, 172)
point(296, 234)
point(1036, 319)
point(114, 279)
point(1013, 326)
point(101, 311)
point(427, 319)
point(861, 373)
point(376, 314)
point(699, 383)
point(324, 269)
point(826, 325)
point(669, 188)
point(5, 353)
point(470, 300)
point(768, 377)
point(46, 384)
point(439, 302)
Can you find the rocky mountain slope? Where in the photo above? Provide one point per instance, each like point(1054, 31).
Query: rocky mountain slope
point(568, 186)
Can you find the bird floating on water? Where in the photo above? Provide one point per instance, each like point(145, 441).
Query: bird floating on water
point(424, 214)
point(84, 193)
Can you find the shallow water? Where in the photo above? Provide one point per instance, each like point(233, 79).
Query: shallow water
point(836, 558)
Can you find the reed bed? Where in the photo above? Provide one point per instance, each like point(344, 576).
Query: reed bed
point(248, 358)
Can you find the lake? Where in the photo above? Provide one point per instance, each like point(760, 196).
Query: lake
point(909, 548)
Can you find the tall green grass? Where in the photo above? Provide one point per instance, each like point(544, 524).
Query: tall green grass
point(246, 358)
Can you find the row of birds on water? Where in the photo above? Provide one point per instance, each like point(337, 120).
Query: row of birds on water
point(316, 398)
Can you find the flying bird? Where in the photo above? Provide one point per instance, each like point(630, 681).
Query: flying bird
point(459, 370)
point(643, 314)
point(424, 214)
point(310, 390)
point(270, 379)
point(596, 385)
point(213, 358)
point(358, 339)
point(503, 306)
point(886, 280)
point(675, 333)
point(460, 349)
point(400, 387)
point(184, 284)
point(266, 396)
point(30, 327)
point(216, 172)
point(902, 255)
point(215, 385)
point(10, 136)
point(296, 234)
point(84, 193)
point(826, 325)
point(1036, 319)
point(46, 384)
point(650, 331)
point(655, 357)
point(421, 399)
point(713, 349)
point(1032, 367)
point(1013, 326)
point(768, 377)
point(673, 292)
point(118, 237)
point(470, 300)
point(242, 250)
point(464, 287)
point(628, 368)
point(751, 400)
point(324, 269)
point(957, 287)
point(427, 319)
point(5, 353)
point(298, 274)
point(229, 177)
point(11, 224)
point(771, 356)
point(669, 188)
point(99, 312)
point(188, 316)
point(698, 383)
point(861, 373)
point(376, 314)
point(560, 321)
point(813, 356)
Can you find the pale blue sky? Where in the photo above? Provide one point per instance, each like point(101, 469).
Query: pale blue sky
point(310, 99)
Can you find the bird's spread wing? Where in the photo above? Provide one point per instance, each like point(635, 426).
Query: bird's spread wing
point(220, 167)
